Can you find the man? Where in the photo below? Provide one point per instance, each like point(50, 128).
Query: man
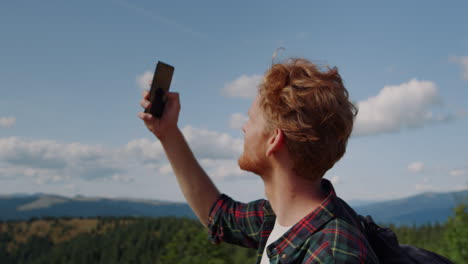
point(298, 128)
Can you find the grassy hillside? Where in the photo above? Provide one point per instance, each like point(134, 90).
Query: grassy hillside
point(113, 240)
point(173, 240)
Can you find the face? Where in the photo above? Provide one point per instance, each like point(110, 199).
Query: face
point(254, 158)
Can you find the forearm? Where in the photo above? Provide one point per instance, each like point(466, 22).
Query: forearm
point(197, 187)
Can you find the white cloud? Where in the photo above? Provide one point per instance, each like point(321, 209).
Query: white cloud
point(425, 185)
point(165, 169)
point(144, 80)
point(237, 120)
point(211, 144)
point(458, 172)
point(118, 177)
point(336, 180)
point(218, 169)
point(144, 149)
point(222, 168)
point(71, 187)
point(7, 121)
point(48, 161)
point(204, 143)
point(408, 105)
point(463, 61)
point(416, 167)
point(43, 178)
point(245, 86)
point(36, 175)
point(461, 187)
point(217, 152)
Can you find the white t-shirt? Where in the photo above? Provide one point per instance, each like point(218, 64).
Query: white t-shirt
point(277, 232)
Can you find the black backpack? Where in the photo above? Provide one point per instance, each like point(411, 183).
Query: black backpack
point(385, 245)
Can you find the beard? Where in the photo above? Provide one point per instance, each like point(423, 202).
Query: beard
point(257, 165)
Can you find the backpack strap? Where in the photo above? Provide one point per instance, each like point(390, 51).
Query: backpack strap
point(420, 255)
point(385, 244)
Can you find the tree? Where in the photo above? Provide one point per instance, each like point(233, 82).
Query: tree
point(456, 234)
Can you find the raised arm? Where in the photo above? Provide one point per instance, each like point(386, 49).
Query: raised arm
point(197, 187)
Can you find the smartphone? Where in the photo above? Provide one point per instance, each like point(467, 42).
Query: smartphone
point(159, 87)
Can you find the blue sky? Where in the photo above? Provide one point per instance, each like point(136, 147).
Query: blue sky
point(71, 76)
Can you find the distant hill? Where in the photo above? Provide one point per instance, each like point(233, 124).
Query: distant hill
point(14, 207)
point(420, 209)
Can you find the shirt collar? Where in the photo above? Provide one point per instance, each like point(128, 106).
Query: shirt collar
point(308, 225)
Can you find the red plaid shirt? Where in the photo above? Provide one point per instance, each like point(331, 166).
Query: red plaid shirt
point(330, 234)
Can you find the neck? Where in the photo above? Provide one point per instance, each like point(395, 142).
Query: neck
point(292, 197)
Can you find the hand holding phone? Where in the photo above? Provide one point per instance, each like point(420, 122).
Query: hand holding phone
point(159, 87)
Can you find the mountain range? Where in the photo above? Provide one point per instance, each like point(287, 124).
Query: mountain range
point(420, 209)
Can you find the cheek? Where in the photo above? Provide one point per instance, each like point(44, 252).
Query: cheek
point(246, 126)
point(247, 141)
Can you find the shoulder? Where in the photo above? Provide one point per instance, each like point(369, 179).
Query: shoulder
point(224, 204)
point(338, 241)
point(236, 222)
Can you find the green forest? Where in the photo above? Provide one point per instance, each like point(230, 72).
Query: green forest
point(174, 240)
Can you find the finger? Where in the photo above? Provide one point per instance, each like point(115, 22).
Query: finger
point(145, 94)
point(145, 116)
point(145, 103)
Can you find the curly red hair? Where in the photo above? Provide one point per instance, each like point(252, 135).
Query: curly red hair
point(311, 106)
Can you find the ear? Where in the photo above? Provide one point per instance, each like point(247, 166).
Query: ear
point(275, 141)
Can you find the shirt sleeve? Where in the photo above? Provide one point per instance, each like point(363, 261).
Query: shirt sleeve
point(235, 222)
